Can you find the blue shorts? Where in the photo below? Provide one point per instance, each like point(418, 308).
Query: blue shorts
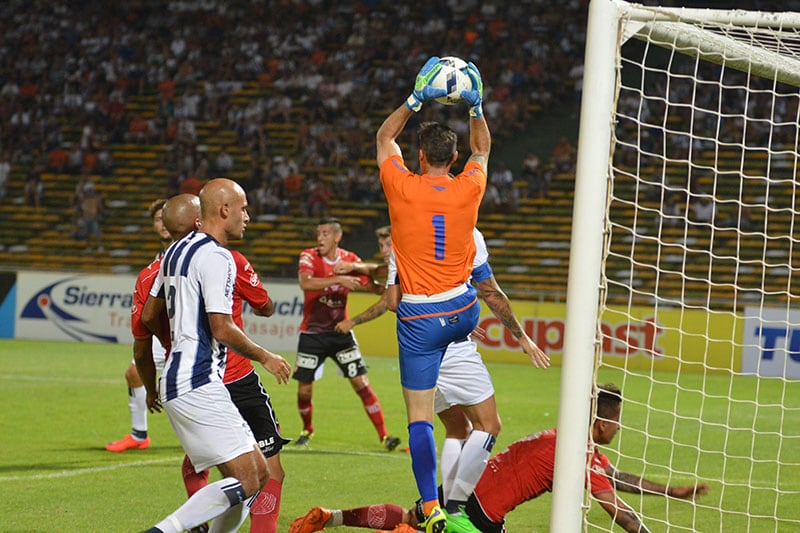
point(424, 330)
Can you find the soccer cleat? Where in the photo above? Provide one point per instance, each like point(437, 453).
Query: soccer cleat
point(390, 443)
point(304, 438)
point(436, 522)
point(128, 443)
point(460, 523)
point(314, 520)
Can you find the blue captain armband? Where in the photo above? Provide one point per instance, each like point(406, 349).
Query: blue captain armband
point(482, 272)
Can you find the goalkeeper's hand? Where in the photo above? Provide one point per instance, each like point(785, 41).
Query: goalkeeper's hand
point(474, 97)
point(423, 92)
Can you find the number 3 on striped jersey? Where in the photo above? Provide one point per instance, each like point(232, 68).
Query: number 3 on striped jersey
point(438, 237)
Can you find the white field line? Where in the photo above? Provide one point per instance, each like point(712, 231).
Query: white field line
point(62, 379)
point(177, 460)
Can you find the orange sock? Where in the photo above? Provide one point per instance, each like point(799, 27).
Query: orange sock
point(428, 507)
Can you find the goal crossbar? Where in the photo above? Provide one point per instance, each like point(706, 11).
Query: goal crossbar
point(762, 53)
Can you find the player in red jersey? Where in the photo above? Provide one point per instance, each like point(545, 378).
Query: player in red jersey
point(325, 306)
point(520, 473)
point(432, 216)
point(138, 439)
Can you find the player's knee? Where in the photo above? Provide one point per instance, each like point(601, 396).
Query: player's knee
point(132, 377)
point(359, 382)
point(491, 425)
point(304, 391)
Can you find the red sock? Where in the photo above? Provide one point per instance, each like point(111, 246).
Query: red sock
point(373, 408)
point(192, 480)
point(305, 409)
point(266, 507)
point(380, 516)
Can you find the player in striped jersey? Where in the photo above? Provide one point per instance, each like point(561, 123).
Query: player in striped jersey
point(197, 277)
point(148, 353)
point(432, 217)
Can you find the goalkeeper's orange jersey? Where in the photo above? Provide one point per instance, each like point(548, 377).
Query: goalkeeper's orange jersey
point(432, 220)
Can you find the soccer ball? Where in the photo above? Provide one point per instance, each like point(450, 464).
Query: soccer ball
point(453, 78)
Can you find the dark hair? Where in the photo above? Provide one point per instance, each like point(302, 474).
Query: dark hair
point(609, 398)
point(437, 142)
point(383, 232)
point(332, 221)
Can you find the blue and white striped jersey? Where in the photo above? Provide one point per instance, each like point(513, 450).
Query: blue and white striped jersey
point(196, 277)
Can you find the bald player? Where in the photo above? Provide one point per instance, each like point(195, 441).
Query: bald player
point(179, 216)
point(196, 282)
point(432, 216)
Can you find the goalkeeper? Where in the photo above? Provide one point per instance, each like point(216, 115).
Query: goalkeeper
point(520, 473)
point(432, 217)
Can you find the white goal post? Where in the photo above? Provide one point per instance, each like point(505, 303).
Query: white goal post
point(686, 243)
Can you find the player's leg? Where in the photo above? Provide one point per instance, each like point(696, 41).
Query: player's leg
point(255, 406)
point(457, 428)
point(419, 406)
point(192, 480)
point(223, 439)
point(379, 516)
point(464, 381)
point(474, 453)
point(137, 404)
point(265, 506)
point(310, 358)
point(242, 477)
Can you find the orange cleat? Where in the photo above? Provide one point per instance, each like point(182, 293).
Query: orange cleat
point(128, 443)
point(312, 521)
point(400, 528)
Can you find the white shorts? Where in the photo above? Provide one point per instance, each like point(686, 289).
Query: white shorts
point(463, 378)
point(209, 426)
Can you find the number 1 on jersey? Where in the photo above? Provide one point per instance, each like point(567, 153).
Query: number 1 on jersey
point(438, 237)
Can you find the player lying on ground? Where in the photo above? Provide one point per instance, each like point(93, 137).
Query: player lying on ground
point(520, 473)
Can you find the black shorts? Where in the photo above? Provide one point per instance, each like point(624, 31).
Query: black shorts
point(255, 407)
point(314, 348)
point(479, 519)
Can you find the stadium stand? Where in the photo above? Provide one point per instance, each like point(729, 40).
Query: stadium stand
point(156, 92)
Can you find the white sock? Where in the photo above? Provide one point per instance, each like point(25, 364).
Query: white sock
point(206, 504)
point(137, 402)
point(471, 464)
point(451, 450)
point(230, 520)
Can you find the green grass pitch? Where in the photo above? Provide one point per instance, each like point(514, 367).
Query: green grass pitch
point(62, 402)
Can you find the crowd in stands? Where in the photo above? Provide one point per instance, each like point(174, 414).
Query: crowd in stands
point(330, 68)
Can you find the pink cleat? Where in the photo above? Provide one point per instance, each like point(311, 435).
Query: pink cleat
point(128, 443)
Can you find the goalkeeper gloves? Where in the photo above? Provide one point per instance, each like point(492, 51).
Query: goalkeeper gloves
point(423, 92)
point(474, 97)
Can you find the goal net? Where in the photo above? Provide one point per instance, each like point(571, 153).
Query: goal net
point(684, 282)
